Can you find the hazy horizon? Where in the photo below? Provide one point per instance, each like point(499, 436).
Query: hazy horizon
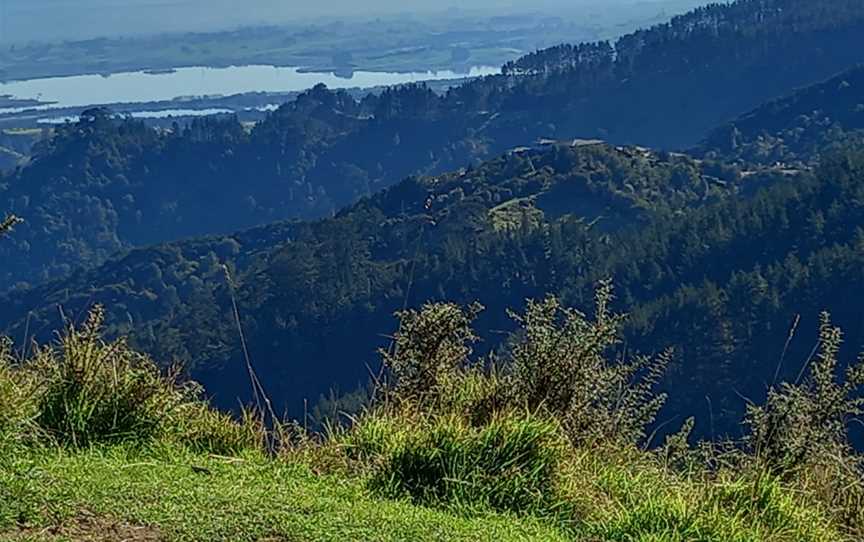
point(54, 20)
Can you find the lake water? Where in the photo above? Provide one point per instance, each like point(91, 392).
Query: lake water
point(139, 87)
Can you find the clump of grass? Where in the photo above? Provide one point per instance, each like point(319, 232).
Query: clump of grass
point(84, 391)
point(508, 465)
point(18, 408)
point(649, 504)
point(19, 434)
point(200, 428)
point(97, 392)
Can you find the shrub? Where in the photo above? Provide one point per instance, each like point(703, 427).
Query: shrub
point(806, 421)
point(559, 361)
point(800, 433)
point(561, 364)
point(431, 347)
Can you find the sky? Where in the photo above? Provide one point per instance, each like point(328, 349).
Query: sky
point(53, 20)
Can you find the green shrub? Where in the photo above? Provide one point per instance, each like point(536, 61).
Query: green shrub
point(807, 421)
point(511, 464)
point(375, 436)
point(431, 347)
point(562, 364)
point(559, 361)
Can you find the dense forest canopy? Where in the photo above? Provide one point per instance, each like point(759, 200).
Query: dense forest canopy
point(106, 184)
point(795, 127)
point(707, 257)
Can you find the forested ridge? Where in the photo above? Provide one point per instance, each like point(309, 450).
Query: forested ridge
point(707, 258)
point(104, 184)
point(364, 253)
point(794, 128)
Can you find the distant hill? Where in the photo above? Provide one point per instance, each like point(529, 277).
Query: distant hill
point(666, 86)
point(105, 184)
point(24, 21)
point(795, 127)
point(532, 221)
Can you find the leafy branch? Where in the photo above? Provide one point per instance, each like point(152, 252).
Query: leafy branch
point(8, 223)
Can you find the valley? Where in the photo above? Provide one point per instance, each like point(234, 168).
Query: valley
point(609, 290)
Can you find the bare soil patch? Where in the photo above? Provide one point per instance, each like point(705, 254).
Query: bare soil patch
point(87, 528)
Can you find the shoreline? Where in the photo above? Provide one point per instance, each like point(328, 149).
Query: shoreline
point(248, 106)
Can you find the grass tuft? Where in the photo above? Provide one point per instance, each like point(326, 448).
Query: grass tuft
point(508, 465)
point(95, 392)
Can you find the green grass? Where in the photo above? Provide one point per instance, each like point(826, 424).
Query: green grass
point(97, 445)
point(176, 495)
point(188, 497)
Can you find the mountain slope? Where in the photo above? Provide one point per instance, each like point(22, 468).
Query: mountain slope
point(668, 85)
point(712, 261)
point(523, 224)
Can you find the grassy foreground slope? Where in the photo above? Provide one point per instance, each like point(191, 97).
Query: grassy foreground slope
point(113, 494)
point(116, 494)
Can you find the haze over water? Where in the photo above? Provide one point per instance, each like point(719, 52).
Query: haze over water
point(141, 87)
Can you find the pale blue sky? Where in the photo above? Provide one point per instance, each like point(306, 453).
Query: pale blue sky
point(41, 20)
